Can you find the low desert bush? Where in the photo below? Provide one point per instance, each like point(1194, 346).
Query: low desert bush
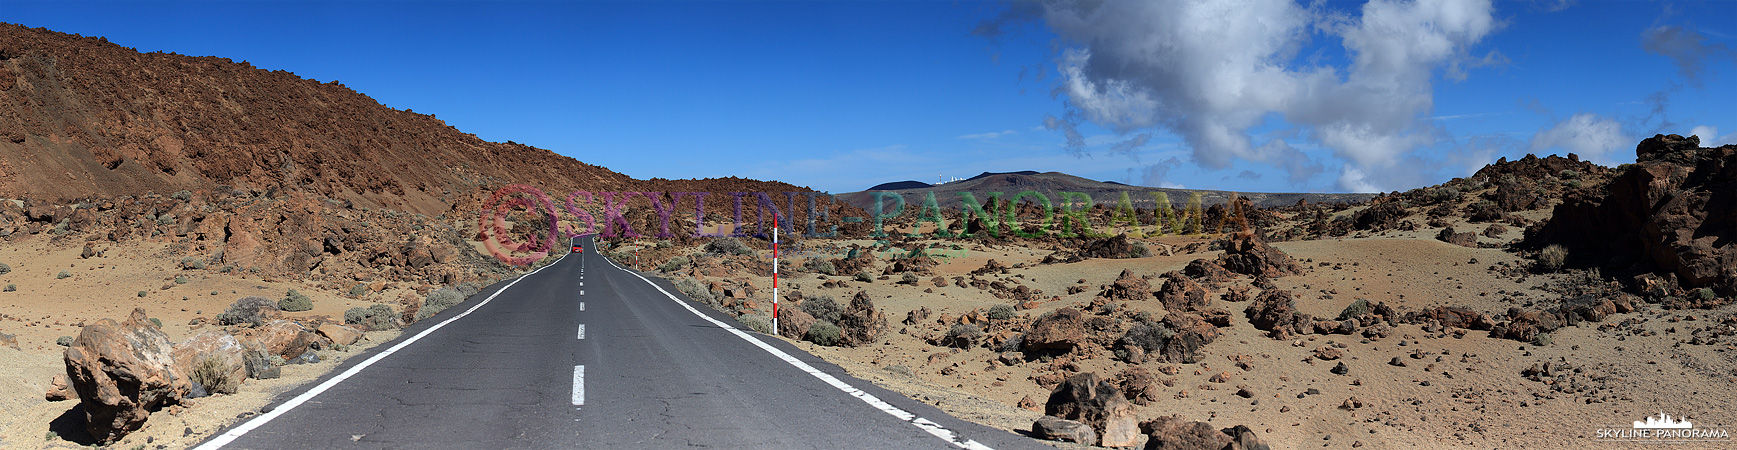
point(1444, 194)
point(1568, 174)
point(963, 335)
point(1553, 257)
point(1000, 312)
point(10, 288)
point(182, 195)
point(374, 318)
point(358, 289)
point(724, 246)
point(64, 341)
point(180, 280)
point(824, 333)
point(823, 308)
point(1705, 293)
point(216, 375)
point(5, 269)
point(249, 310)
point(695, 291)
point(909, 278)
point(1012, 344)
point(1139, 250)
point(295, 301)
point(142, 294)
point(816, 265)
point(62, 274)
point(674, 264)
point(1356, 308)
point(438, 301)
point(756, 322)
point(192, 263)
point(865, 277)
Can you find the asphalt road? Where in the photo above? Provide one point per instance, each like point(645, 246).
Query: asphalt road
point(583, 354)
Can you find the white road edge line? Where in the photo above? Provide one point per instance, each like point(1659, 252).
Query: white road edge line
point(579, 385)
point(257, 422)
point(581, 331)
point(924, 424)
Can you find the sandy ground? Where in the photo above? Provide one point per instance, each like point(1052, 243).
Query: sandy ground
point(1453, 392)
point(46, 307)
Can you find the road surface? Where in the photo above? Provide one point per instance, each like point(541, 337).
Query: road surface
point(584, 354)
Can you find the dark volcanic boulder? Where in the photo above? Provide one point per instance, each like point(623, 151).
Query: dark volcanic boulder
point(1244, 253)
point(1097, 403)
point(1673, 212)
point(1061, 330)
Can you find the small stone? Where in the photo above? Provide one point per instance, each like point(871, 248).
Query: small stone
point(1341, 369)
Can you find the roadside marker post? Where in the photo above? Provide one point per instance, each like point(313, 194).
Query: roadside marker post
point(774, 276)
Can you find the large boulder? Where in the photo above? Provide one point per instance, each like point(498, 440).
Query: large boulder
point(340, 334)
point(227, 351)
point(1061, 330)
point(1244, 253)
point(1182, 294)
point(862, 323)
point(794, 322)
point(122, 372)
point(1192, 333)
point(1674, 212)
point(1128, 287)
point(1059, 429)
point(284, 338)
point(1097, 403)
point(1175, 433)
point(1276, 311)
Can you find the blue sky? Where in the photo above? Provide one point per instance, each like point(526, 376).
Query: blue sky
point(1257, 96)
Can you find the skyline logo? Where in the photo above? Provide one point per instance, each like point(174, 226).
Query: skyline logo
point(1663, 429)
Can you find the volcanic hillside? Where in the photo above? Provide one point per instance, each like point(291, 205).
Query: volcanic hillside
point(82, 118)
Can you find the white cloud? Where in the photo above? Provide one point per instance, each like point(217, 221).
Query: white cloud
point(1211, 70)
point(1586, 134)
point(990, 135)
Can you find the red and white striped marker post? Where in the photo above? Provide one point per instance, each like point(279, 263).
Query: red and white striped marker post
point(775, 276)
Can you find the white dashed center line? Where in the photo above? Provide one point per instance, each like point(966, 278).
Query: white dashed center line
point(578, 385)
point(581, 331)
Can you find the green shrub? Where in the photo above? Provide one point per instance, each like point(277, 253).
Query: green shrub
point(180, 280)
point(756, 322)
point(727, 246)
point(246, 310)
point(1139, 250)
point(438, 301)
point(64, 341)
point(664, 244)
point(166, 219)
point(963, 335)
point(373, 318)
point(63, 274)
point(865, 277)
point(674, 264)
point(823, 308)
point(5, 269)
point(819, 265)
point(358, 289)
point(1444, 194)
point(695, 291)
point(909, 278)
point(824, 333)
point(182, 195)
point(192, 263)
point(11, 287)
point(1542, 340)
point(1148, 336)
point(295, 302)
point(1012, 344)
point(1568, 174)
point(143, 293)
point(1000, 312)
point(1553, 257)
point(155, 322)
point(1705, 293)
point(216, 375)
point(1355, 309)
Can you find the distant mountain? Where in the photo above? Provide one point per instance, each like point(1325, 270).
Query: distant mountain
point(1052, 184)
point(897, 185)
